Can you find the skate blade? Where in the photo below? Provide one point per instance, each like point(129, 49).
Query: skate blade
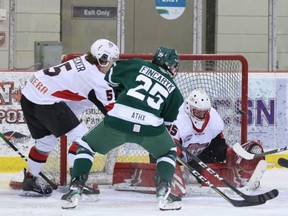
point(72, 203)
point(166, 206)
point(33, 194)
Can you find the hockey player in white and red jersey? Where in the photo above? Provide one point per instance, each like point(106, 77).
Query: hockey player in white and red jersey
point(52, 99)
point(199, 128)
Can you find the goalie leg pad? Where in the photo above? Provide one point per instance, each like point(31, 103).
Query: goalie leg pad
point(254, 181)
point(238, 169)
point(225, 172)
point(139, 177)
point(245, 168)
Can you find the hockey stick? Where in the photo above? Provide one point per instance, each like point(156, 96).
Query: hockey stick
point(283, 162)
point(52, 184)
point(238, 148)
point(256, 199)
point(236, 203)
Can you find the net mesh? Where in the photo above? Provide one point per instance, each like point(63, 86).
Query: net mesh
point(222, 81)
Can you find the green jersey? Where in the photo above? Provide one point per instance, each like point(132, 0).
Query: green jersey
point(148, 98)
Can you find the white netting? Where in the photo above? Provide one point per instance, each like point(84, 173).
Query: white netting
point(222, 80)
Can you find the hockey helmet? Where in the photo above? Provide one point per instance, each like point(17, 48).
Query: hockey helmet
point(167, 58)
point(104, 51)
point(197, 105)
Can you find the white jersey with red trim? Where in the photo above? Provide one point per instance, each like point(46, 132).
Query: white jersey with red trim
point(70, 81)
point(192, 139)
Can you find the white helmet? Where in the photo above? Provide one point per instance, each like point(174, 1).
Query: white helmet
point(197, 105)
point(104, 51)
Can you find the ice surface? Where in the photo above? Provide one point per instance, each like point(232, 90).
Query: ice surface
point(119, 203)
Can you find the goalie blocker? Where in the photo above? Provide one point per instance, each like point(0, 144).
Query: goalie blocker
point(139, 176)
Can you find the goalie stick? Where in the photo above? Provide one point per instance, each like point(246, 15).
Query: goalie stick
point(52, 184)
point(249, 200)
point(238, 148)
point(254, 181)
point(236, 203)
point(283, 162)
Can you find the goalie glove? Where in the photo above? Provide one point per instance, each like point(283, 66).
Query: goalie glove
point(254, 147)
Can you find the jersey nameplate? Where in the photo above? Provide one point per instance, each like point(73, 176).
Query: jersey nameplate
point(158, 77)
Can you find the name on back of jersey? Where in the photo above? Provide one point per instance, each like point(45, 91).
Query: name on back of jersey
point(158, 77)
point(38, 85)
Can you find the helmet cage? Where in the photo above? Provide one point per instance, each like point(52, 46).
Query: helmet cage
point(198, 117)
point(197, 105)
point(198, 114)
point(174, 68)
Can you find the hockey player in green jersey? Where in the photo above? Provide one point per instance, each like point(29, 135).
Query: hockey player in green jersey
point(148, 100)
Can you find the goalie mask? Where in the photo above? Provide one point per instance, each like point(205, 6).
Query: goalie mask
point(104, 51)
point(167, 58)
point(197, 105)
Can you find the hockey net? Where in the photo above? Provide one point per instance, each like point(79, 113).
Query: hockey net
point(223, 77)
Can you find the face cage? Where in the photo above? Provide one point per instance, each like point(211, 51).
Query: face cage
point(173, 69)
point(192, 113)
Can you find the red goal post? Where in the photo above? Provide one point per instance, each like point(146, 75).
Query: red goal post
point(223, 76)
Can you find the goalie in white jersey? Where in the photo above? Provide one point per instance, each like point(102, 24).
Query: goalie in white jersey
point(199, 128)
point(53, 98)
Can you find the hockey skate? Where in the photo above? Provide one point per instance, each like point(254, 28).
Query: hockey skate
point(71, 198)
point(90, 194)
point(167, 201)
point(33, 187)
